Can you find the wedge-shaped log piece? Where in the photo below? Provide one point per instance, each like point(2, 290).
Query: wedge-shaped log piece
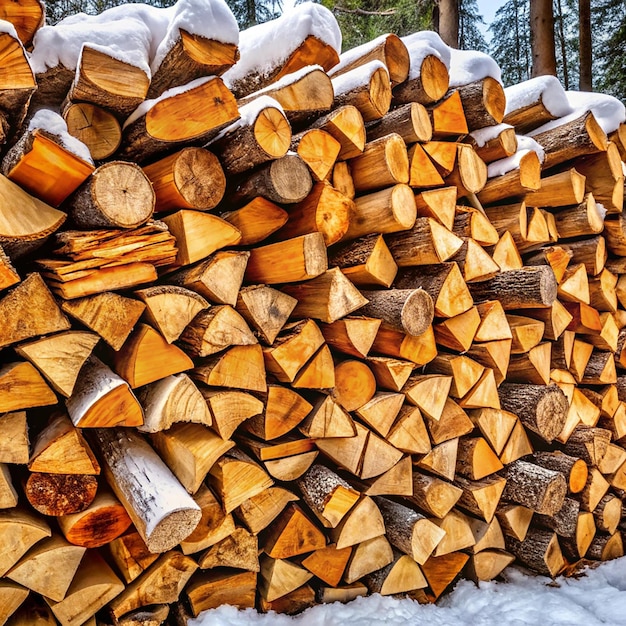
point(108, 82)
point(194, 115)
point(29, 310)
point(327, 297)
point(218, 278)
point(240, 367)
point(279, 577)
point(237, 478)
point(239, 550)
point(108, 314)
point(229, 408)
point(427, 242)
point(448, 116)
point(161, 583)
point(319, 150)
point(94, 585)
point(199, 235)
point(214, 330)
point(428, 392)
point(422, 170)
point(190, 451)
point(409, 531)
point(60, 448)
point(441, 571)
point(488, 564)
point(12, 597)
point(212, 589)
point(363, 521)
point(495, 426)
point(401, 575)
point(441, 460)
point(96, 127)
point(60, 494)
point(570, 139)
point(458, 533)
point(142, 358)
point(608, 513)
point(408, 432)
point(606, 547)
point(8, 494)
point(257, 512)
point(386, 211)
point(390, 374)
point(444, 283)
point(481, 497)
point(23, 387)
point(588, 443)
point(60, 357)
point(117, 194)
point(261, 135)
point(367, 87)
point(351, 335)
point(506, 254)
point(457, 333)
point(283, 410)
point(434, 495)
point(345, 124)
point(328, 563)
point(170, 308)
point(475, 458)
point(214, 526)
point(40, 164)
point(21, 529)
point(101, 522)
point(324, 210)
point(292, 534)
point(327, 494)
point(191, 178)
point(162, 511)
point(381, 411)
point(419, 349)
point(15, 445)
point(367, 557)
point(539, 550)
point(27, 18)
point(327, 420)
point(53, 554)
point(465, 372)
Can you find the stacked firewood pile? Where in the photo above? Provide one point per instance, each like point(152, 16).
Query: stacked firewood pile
point(288, 326)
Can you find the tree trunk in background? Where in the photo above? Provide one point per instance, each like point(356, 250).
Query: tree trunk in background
point(542, 37)
point(584, 38)
point(563, 46)
point(447, 21)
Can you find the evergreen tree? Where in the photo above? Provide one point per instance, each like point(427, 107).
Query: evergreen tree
point(510, 41)
point(609, 37)
point(470, 36)
point(251, 12)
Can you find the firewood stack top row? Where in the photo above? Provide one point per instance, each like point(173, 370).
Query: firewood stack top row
point(281, 325)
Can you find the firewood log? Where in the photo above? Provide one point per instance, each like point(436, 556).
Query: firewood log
point(213, 588)
point(319, 150)
point(60, 494)
point(191, 178)
point(96, 127)
point(22, 529)
point(16, 445)
point(195, 116)
point(570, 139)
point(345, 124)
point(161, 510)
point(483, 102)
point(410, 121)
point(448, 117)
point(493, 148)
point(515, 183)
point(26, 17)
point(539, 550)
point(23, 387)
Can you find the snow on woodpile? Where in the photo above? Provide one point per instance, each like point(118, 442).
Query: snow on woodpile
point(468, 66)
point(545, 89)
point(608, 110)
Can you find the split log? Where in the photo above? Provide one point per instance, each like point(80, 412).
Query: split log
point(483, 102)
point(345, 124)
point(448, 117)
point(168, 122)
point(23, 387)
point(213, 588)
point(540, 551)
point(15, 445)
point(26, 17)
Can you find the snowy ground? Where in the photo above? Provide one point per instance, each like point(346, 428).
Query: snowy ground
point(597, 597)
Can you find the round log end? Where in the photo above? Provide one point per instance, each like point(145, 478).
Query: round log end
point(494, 98)
point(123, 193)
point(380, 93)
point(551, 413)
point(97, 128)
point(169, 531)
point(554, 496)
point(547, 284)
point(60, 494)
point(403, 206)
point(530, 171)
point(290, 179)
point(272, 132)
point(397, 158)
point(199, 178)
point(435, 78)
point(422, 126)
point(397, 59)
point(578, 476)
point(418, 312)
point(95, 531)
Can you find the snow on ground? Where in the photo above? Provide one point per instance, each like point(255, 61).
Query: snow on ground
point(597, 597)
